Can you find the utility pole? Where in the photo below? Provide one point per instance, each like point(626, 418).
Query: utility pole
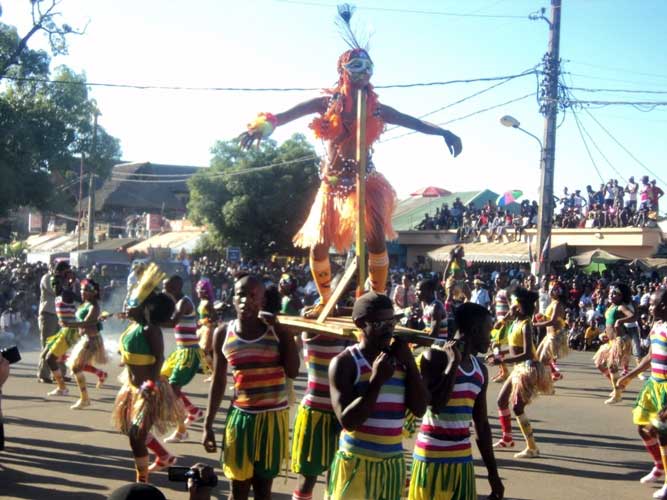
point(549, 109)
point(91, 187)
point(80, 210)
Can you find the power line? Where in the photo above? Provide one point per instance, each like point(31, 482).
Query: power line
point(220, 174)
point(527, 72)
point(583, 139)
point(623, 147)
point(637, 104)
point(600, 151)
point(591, 77)
point(465, 116)
point(629, 91)
point(621, 70)
point(410, 11)
point(252, 89)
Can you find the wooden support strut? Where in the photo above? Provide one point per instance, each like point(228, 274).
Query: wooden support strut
point(362, 157)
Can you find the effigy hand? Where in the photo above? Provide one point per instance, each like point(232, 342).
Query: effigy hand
point(247, 138)
point(453, 143)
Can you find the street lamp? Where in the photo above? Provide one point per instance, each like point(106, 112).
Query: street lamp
point(545, 207)
point(510, 121)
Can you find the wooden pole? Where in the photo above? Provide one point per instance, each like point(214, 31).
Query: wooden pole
point(362, 156)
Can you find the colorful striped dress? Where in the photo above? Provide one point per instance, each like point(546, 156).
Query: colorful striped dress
point(318, 352)
point(652, 397)
point(369, 463)
point(443, 453)
point(59, 343)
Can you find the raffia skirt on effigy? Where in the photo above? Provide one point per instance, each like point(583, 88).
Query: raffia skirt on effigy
point(88, 350)
point(529, 379)
point(553, 347)
point(333, 215)
point(161, 410)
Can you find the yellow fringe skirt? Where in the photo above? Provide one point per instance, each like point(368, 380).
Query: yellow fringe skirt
point(356, 477)
point(652, 398)
point(442, 481)
point(161, 411)
point(529, 379)
point(333, 217)
point(314, 441)
point(255, 444)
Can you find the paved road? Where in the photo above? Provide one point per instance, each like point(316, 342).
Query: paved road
point(589, 450)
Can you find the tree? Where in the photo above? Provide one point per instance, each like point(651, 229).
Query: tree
point(44, 125)
point(256, 200)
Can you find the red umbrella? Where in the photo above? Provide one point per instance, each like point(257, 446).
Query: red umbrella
point(431, 192)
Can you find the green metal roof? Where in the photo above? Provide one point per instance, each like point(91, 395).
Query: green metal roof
point(410, 212)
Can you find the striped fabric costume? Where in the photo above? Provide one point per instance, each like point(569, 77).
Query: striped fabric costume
point(181, 366)
point(653, 395)
point(427, 317)
point(443, 467)
point(66, 337)
point(369, 463)
point(256, 430)
point(316, 429)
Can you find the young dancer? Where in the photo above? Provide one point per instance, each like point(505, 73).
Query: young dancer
point(207, 319)
point(260, 356)
point(443, 468)
point(183, 363)
point(372, 384)
point(56, 347)
point(528, 379)
point(501, 304)
point(146, 400)
point(650, 411)
point(455, 275)
point(316, 429)
point(333, 216)
point(90, 347)
point(554, 345)
point(433, 311)
point(615, 354)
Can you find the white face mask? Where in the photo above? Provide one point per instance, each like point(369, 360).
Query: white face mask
point(359, 67)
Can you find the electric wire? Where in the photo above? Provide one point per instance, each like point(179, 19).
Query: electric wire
point(583, 139)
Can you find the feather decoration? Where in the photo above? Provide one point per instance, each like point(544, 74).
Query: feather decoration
point(345, 12)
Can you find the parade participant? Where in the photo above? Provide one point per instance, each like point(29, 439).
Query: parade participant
point(615, 354)
point(528, 379)
point(650, 412)
point(57, 346)
point(443, 467)
point(183, 363)
point(316, 428)
point(333, 217)
point(90, 347)
point(372, 384)
point(146, 400)
point(455, 275)
point(501, 305)
point(207, 318)
point(290, 303)
point(554, 345)
point(48, 320)
point(260, 356)
point(433, 311)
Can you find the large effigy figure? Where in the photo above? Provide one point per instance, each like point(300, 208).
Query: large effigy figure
point(333, 216)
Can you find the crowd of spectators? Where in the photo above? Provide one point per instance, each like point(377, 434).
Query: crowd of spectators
point(612, 205)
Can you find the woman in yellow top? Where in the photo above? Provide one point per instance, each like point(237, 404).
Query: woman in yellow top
point(554, 344)
point(455, 276)
point(528, 379)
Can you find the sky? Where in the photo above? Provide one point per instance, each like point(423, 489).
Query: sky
point(605, 44)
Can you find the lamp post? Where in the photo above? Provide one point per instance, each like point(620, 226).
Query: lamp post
point(545, 200)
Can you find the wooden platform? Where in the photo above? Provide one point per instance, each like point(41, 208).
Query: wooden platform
point(342, 327)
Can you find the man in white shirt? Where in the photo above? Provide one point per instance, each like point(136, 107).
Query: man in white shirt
point(631, 188)
point(47, 319)
point(479, 294)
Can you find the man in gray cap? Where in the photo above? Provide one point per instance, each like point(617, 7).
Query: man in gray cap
point(372, 384)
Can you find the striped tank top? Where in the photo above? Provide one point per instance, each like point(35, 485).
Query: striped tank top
point(658, 338)
point(380, 436)
point(185, 331)
point(65, 310)
point(318, 351)
point(502, 304)
point(259, 376)
point(445, 437)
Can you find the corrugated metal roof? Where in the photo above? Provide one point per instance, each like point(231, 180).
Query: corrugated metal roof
point(516, 251)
